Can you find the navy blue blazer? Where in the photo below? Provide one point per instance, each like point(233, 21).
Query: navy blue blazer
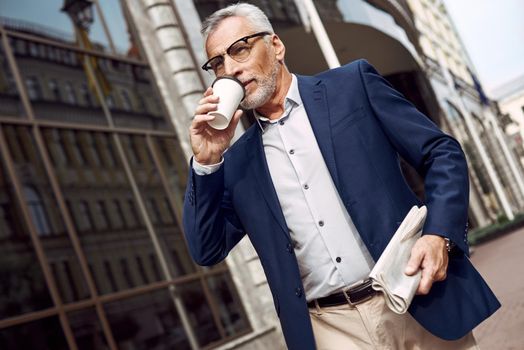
point(362, 126)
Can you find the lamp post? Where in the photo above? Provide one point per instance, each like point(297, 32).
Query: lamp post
point(80, 12)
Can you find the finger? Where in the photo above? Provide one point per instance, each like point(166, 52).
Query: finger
point(415, 260)
point(209, 99)
point(200, 121)
point(209, 91)
point(206, 108)
point(425, 283)
point(236, 118)
point(441, 273)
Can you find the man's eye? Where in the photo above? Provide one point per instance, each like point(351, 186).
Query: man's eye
point(216, 64)
point(239, 50)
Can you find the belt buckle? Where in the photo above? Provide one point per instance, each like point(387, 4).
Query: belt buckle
point(348, 290)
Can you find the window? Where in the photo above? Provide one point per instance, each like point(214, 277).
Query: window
point(133, 211)
point(55, 91)
point(91, 145)
point(70, 279)
point(33, 49)
point(119, 213)
point(108, 150)
point(85, 214)
point(110, 101)
point(101, 214)
point(33, 88)
point(154, 266)
point(6, 228)
point(110, 276)
point(37, 211)
point(126, 273)
point(126, 100)
point(86, 95)
point(77, 149)
point(70, 93)
point(154, 213)
point(141, 270)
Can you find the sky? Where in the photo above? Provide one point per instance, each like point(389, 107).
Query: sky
point(493, 33)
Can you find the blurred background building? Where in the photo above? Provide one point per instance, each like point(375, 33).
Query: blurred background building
point(95, 101)
point(510, 98)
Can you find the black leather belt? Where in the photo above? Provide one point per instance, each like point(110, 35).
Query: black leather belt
point(352, 296)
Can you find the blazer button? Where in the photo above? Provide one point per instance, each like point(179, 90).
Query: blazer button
point(289, 248)
point(298, 292)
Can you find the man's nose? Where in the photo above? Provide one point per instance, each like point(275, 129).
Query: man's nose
point(231, 67)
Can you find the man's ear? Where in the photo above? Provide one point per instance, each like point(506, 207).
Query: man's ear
point(280, 48)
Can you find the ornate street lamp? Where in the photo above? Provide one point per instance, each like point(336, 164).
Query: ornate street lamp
point(80, 12)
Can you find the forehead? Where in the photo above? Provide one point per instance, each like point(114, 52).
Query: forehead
point(228, 31)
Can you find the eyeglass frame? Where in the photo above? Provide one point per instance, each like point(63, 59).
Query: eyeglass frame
point(244, 39)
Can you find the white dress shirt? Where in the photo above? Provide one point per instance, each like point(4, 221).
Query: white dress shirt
point(329, 250)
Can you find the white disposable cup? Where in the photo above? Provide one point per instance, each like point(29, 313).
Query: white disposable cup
point(230, 92)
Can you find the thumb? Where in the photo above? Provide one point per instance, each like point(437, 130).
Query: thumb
point(414, 263)
point(236, 118)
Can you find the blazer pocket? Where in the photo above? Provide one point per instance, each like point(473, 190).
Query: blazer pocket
point(341, 124)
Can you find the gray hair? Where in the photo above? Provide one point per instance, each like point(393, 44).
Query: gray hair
point(256, 17)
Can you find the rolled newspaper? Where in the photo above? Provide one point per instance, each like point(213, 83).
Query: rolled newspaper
point(388, 274)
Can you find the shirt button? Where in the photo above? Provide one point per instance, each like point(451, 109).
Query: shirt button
point(291, 151)
point(281, 122)
point(321, 223)
point(306, 186)
point(298, 292)
point(338, 259)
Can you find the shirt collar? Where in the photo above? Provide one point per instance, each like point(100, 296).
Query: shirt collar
point(291, 101)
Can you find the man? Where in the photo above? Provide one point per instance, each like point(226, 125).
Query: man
point(317, 187)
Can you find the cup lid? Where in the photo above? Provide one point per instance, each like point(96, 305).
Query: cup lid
point(234, 79)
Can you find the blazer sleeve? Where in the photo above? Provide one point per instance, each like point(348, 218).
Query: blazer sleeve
point(436, 156)
point(211, 225)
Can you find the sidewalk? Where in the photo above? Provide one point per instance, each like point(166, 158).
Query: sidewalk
point(501, 263)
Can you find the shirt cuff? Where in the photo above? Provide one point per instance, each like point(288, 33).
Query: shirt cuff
point(202, 169)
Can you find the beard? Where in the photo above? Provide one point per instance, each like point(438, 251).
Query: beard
point(266, 87)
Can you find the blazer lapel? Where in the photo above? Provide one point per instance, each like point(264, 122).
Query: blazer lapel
point(313, 94)
point(260, 171)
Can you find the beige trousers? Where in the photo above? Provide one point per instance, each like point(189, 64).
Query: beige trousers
point(371, 325)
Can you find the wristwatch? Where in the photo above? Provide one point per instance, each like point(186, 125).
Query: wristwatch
point(449, 244)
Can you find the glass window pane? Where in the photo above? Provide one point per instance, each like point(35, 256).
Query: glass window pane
point(174, 164)
point(133, 98)
point(10, 103)
point(228, 303)
point(87, 330)
point(45, 214)
point(101, 204)
point(22, 287)
point(158, 206)
point(45, 18)
point(122, 35)
point(145, 322)
point(199, 312)
point(58, 85)
point(45, 334)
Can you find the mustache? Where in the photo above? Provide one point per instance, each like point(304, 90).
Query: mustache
point(245, 80)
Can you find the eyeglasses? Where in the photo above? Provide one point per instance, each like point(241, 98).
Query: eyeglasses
point(239, 51)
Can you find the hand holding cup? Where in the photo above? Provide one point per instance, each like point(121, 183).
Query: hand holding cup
point(208, 143)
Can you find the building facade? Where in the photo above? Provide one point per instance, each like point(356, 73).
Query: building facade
point(510, 99)
point(92, 176)
point(497, 187)
point(95, 101)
